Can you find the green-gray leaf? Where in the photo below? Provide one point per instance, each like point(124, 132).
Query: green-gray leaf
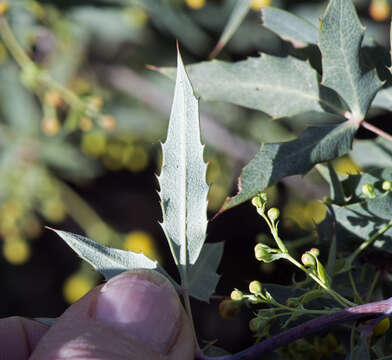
point(362, 220)
point(340, 38)
point(373, 153)
point(182, 180)
point(109, 261)
point(238, 14)
point(202, 276)
point(289, 26)
point(276, 161)
point(334, 180)
point(383, 99)
point(279, 87)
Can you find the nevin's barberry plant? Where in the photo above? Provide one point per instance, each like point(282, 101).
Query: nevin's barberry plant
point(342, 77)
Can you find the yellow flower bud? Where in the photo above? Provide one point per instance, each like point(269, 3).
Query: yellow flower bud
point(236, 295)
point(195, 4)
point(255, 287)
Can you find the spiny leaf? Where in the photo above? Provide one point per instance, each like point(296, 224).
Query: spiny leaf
point(182, 179)
point(276, 161)
point(340, 39)
point(238, 14)
point(279, 87)
point(109, 261)
point(289, 26)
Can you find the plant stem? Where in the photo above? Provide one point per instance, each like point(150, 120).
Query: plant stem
point(24, 62)
point(376, 130)
point(357, 297)
point(12, 44)
point(340, 299)
point(372, 286)
point(254, 352)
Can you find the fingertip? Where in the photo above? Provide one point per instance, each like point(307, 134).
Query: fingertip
point(19, 337)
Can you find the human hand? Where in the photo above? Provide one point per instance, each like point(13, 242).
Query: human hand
point(136, 316)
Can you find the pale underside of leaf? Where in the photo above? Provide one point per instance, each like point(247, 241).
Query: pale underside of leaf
point(289, 26)
point(276, 161)
point(280, 87)
point(183, 177)
point(340, 39)
point(109, 261)
point(240, 10)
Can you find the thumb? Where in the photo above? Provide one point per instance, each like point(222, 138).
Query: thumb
point(136, 315)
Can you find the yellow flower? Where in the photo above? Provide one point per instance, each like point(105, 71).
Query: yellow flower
point(195, 4)
point(16, 252)
point(345, 165)
point(141, 242)
point(76, 286)
point(257, 4)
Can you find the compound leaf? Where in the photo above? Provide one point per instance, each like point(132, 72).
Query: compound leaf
point(279, 87)
point(340, 40)
point(276, 161)
point(183, 179)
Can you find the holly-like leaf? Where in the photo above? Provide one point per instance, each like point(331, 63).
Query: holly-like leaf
point(278, 86)
point(340, 40)
point(183, 180)
point(289, 26)
point(109, 261)
point(240, 10)
point(276, 161)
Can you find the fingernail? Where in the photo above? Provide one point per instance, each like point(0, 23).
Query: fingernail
point(147, 312)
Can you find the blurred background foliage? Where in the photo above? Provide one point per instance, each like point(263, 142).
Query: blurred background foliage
point(81, 118)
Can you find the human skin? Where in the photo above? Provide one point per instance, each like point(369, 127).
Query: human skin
point(136, 315)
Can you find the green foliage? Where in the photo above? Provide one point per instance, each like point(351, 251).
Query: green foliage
point(60, 123)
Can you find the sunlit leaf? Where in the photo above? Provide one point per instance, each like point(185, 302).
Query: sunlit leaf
point(184, 189)
point(340, 41)
point(277, 86)
point(109, 261)
point(276, 161)
point(361, 220)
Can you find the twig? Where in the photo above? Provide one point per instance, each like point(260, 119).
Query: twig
point(376, 130)
point(370, 310)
